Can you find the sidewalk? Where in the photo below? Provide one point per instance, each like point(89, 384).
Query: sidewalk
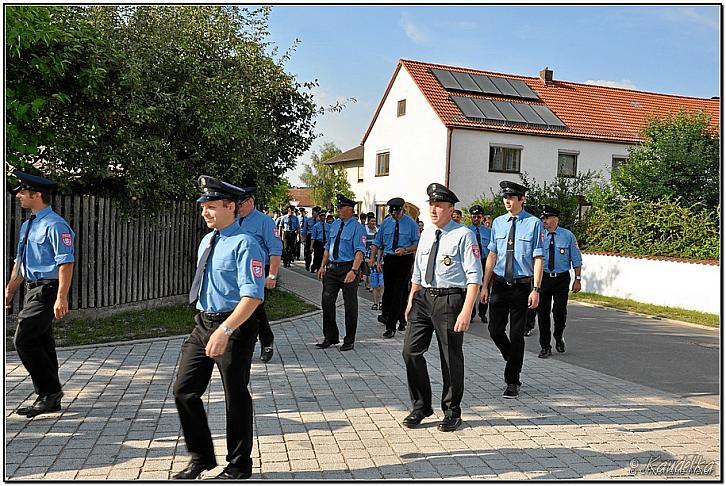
point(325, 414)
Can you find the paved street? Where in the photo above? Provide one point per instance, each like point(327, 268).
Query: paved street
point(325, 414)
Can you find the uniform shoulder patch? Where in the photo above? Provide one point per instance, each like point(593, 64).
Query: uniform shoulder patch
point(67, 239)
point(258, 269)
point(363, 239)
point(276, 232)
point(476, 250)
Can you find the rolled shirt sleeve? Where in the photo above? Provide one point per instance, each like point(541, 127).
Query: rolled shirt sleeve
point(538, 236)
point(273, 243)
point(575, 253)
point(63, 240)
point(359, 239)
point(471, 261)
point(251, 269)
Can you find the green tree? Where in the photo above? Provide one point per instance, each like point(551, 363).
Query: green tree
point(325, 181)
point(143, 99)
point(279, 195)
point(679, 158)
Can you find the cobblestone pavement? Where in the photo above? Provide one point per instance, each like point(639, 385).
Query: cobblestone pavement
point(326, 414)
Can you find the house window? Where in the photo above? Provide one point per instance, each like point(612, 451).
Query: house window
point(360, 173)
point(381, 213)
point(401, 107)
point(618, 162)
point(504, 159)
point(567, 164)
point(358, 207)
point(382, 163)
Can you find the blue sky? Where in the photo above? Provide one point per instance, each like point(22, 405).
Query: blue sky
point(353, 50)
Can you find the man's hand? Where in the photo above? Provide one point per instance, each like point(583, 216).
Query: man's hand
point(270, 283)
point(533, 300)
point(9, 297)
point(321, 272)
point(60, 308)
point(350, 276)
point(576, 286)
point(379, 267)
point(408, 310)
point(484, 294)
point(400, 251)
point(463, 320)
point(217, 344)
point(372, 262)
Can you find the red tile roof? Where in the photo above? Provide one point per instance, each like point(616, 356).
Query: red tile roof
point(589, 111)
point(302, 195)
point(356, 153)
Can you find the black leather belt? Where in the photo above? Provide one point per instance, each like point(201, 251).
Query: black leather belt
point(215, 316)
point(522, 280)
point(42, 281)
point(340, 264)
point(555, 275)
point(445, 291)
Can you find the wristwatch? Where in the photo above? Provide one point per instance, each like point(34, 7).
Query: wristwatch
point(577, 277)
point(354, 270)
point(226, 330)
point(537, 289)
point(272, 276)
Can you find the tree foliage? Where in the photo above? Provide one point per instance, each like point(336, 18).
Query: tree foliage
point(325, 181)
point(137, 101)
point(678, 159)
point(280, 195)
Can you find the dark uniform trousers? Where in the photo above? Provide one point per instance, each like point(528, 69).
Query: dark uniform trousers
point(265, 331)
point(435, 314)
point(509, 302)
point(554, 289)
point(318, 249)
point(195, 371)
point(34, 338)
point(288, 255)
point(482, 308)
point(333, 281)
point(396, 274)
point(308, 252)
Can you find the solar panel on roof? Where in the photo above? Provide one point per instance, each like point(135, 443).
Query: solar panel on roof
point(528, 113)
point(550, 118)
point(504, 86)
point(467, 84)
point(506, 108)
point(489, 110)
point(485, 84)
point(522, 88)
point(467, 107)
point(446, 79)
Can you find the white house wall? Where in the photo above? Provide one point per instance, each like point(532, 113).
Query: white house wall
point(470, 176)
point(417, 144)
point(351, 174)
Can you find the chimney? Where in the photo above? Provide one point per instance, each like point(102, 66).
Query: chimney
point(546, 75)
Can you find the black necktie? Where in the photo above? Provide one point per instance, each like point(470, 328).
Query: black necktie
point(478, 240)
point(509, 262)
point(336, 244)
point(395, 236)
point(323, 233)
point(431, 266)
point(21, 260)
point(551, 262)
point(289, 223)
point(199, 274)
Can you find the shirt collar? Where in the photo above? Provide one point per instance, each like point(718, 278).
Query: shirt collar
point(231, 229)
point(451, 225)
point(43, 213)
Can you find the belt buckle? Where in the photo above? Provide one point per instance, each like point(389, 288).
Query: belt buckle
point(552, 274)
point(509, 284)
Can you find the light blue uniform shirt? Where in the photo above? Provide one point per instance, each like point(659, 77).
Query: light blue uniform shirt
point(50, 244)
point(306, 225)
point(289, 223)
point(407, 234)
point(352, 239)
point(318, 231)
point(458, 260)
point(235, 269)
point(262, 227)
point(485, 235)
point(528, 237)
point(567, 253)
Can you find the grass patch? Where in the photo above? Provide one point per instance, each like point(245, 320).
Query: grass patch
point(695, 317)
point(159, 322)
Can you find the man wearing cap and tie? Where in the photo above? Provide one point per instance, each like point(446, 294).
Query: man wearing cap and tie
point(341, 262)
point(397, 239)
point(228, 287)
point(514, 263)
point(444, 288)
point(290, 226)
point(482, 234)
point(44, 259)
point(560, 254)
point(306, 229)
point(262, 228)
point(321, 230)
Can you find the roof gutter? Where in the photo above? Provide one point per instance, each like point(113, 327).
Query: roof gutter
point(448, 156)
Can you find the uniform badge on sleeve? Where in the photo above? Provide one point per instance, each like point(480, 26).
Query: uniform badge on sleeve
point(363, 239)
point(258, 269)
point(67, 239)
point(276, 232)
point(476, 250)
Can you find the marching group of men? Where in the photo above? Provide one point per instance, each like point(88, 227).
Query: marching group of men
point(436, 281)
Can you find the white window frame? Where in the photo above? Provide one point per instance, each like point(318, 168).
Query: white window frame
point(501, 147)
point(573, 153)
point(387, 155)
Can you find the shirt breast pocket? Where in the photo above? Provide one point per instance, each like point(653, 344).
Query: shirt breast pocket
point(562, 250)
point(523, 246)
point(40, 243)
point(449, 258)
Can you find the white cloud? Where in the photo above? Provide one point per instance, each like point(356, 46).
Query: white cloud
point(625, 83)
point(412, 31)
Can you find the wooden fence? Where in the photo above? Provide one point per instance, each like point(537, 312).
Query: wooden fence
point(119, 261)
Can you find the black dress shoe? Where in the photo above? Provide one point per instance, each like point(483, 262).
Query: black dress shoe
point(389, 333)
point(402, 326)
point(193, 470)
point(545, 353)
point(449, 424)
point(326, 344)
point(234, 472)
point(512, 391)
point(346, 347)
point(414, 418)
point(47, 404)
point(560, 346)
point(266, 354)
point(25, 410)
point(382, 319)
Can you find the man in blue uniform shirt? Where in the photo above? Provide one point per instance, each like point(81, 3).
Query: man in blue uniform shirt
point(444, 288)
point(228, 286)
point(306, 234)
point(290, 226)
point(44, 259)
point(396, 240)
point(340, 266)
point(262, 228)
point(483, 235)
point(321, 230)
point(514, 263)
point(560, 254)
